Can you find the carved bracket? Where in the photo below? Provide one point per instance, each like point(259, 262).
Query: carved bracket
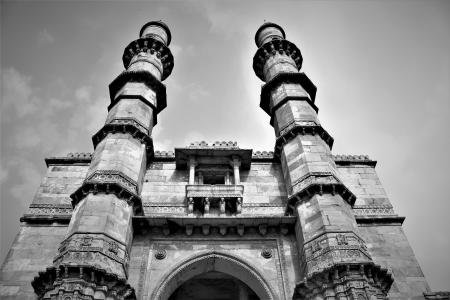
point(270, 49)
point(108, 188)
point(153, 47)
point(295, 129)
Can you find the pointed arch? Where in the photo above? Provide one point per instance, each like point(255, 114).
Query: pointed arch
point(212, 261)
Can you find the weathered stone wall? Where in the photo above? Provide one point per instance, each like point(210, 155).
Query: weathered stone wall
point(390, 248)
point(59, 182)
point(384, 237)
point(32, 251)
point(363, 182)
point(164, 194)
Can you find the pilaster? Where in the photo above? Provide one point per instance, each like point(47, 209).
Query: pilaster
point(92, 262)
point(334, 259)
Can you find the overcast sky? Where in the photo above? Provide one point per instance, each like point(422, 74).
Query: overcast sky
point(382, 70)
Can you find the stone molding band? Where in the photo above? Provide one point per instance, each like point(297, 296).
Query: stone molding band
point(140, 76)
point(294, 129)
point(126, 126)
point(270, 49)
point(112, 176)
point(108, 188)
point(319, 188)
point(169, 156)
point(136, 123)
point(151, 46)
point(205, 226)
point(280, 78)
point(142, 99)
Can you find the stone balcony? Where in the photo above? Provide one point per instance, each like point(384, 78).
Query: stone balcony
point(221, 199)
point(214, 191)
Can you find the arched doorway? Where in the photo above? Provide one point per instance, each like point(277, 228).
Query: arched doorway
point(213, 285)
point(236, 275)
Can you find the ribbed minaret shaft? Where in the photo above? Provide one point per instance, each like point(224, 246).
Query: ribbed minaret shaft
point(334, 259)
point(92, 262)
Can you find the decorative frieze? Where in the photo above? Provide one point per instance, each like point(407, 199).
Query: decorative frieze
point(214, 191)
point(80, 282)
point(373, 210)
point(333, 248)
point(346, 281)
point(91, 249)
point(50, 209)
point(217, 144)
point(112, 176)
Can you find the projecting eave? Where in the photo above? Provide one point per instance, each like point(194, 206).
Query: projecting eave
point(212, 155)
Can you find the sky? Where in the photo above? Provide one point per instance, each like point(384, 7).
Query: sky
point(382, 69)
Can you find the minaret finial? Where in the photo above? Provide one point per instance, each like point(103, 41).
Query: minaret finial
point(267, 32)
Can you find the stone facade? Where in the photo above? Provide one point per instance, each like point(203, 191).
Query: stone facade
point(128, 222)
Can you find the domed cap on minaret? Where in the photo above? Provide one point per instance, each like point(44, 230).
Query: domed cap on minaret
point(268, 32)
point(157, 30)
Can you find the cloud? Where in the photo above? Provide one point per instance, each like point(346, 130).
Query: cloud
point(196, 92)
point(3, 173)
point(29, 177)
point(44, 38)
point(219, 19)
point(17, 94)
point(175, 49)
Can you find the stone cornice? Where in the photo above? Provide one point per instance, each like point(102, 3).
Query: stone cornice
point(379, 220)
point(84, 158)
point(437, 295)
point(209, 225)
point(139, 76)
point(151, 46)
point(224, 153)
point(302, 128)
point(270, 49)
point(108, 188)
point(299, 78)
point(317, 187)
point(347, 160)
point(126, 126)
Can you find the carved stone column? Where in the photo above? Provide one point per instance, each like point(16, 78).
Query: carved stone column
point(333, 257)
point(236, 163)
point(92, 262)
point(192, 164)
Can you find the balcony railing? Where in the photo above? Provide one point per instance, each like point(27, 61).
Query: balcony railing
point(223, 199)
point(214, 191)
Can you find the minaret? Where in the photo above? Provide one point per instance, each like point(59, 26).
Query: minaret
point(334, 260)
point(92, 261)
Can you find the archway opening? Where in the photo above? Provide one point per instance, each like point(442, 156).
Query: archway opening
point(213, 266)
point(213, 285)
